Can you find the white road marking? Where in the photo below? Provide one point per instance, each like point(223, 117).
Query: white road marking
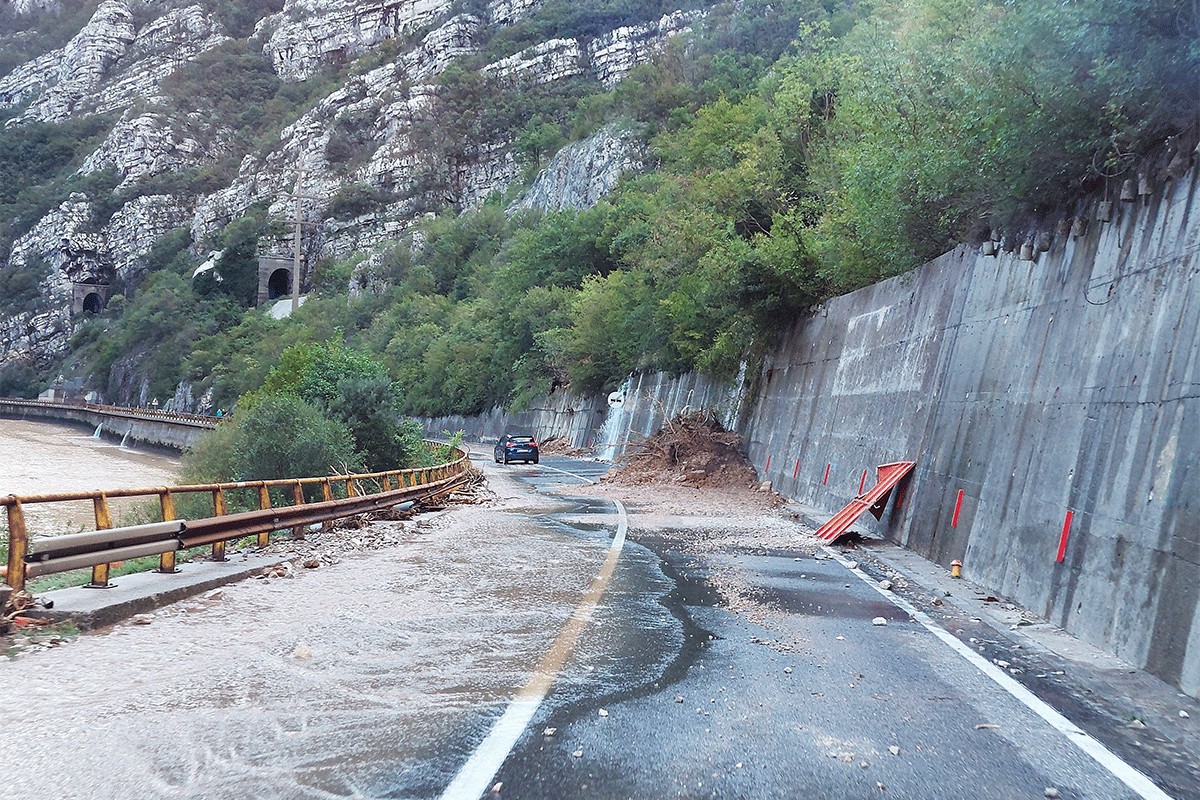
point(1122, 771)
point(475, 776)
point(564, 472)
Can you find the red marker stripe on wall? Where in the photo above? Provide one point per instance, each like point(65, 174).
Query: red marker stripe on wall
point(1062, 541)
point(825, 480)
point(957, 508)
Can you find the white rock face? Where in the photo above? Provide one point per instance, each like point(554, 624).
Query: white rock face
point(65, 77)
point(135, 228)
point(442, 47)
point(506, 12)
point(310, 33)
point(146, 145)
point(25, 7)
point(80, 79)
point(543, 63)
point(614, 54)
point(582, 173)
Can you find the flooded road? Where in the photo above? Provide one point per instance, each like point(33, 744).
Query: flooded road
point(375, 677)
point(42, 457)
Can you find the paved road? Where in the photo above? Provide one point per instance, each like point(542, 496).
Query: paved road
point(410, 670)
point(823, 703)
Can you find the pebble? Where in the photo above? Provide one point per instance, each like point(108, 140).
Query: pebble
point(302, 651)
point(1184, 715)
point(496, 789)
point(879, 621)
point(215, 594)
point(578, 754)
point(894, 750)
point(1051, 792)
point(885, 585)
point(787, 670)
point(550, 731)
point(143, 619)
point(603, 712)
point(678, 698)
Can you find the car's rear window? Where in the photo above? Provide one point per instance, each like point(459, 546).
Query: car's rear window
point(520, 439)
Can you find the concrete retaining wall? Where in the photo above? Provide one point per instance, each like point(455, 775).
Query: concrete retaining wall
point(174, 431)
point(1069, 383)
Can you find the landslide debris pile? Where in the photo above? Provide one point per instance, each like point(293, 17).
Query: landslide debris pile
point(691, 450)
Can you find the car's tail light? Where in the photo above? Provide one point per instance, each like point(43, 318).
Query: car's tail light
point(533, 444)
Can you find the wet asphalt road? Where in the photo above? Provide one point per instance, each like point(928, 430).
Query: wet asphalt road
point(701, 702)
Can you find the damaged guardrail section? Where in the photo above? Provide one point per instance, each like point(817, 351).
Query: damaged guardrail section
point(340, 496)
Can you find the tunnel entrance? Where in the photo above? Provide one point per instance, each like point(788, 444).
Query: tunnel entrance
point(92, 303)
point(279, 284)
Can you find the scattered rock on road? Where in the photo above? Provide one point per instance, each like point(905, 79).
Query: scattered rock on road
point(879, 621)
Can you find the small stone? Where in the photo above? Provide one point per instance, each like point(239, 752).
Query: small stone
point(302, 652)
point(497, 787)
point(1050, 792)
point(215, 594)
point(840, 638)
point(578, 754)
point(143, 619)
point(885, 585)
point(879, 621)
point(937, 601)
point(894, 750)
point(1001, 663)
point(678, 698)
point(787, 670)
point(312, 563)
point(1184, 715)
point(603, 712)
point(851, 565)
point(549, 731)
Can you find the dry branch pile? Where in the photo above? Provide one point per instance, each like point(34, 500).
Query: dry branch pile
point(690, 450)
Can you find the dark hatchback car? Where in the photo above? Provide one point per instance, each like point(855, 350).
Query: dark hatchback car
point(516, 447)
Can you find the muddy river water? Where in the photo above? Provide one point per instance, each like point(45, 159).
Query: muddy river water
point(41, 458)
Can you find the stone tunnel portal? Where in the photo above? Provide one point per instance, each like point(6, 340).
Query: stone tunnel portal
point(279, 284)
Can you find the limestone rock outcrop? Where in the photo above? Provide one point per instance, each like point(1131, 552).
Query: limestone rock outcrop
point(582, 173)
point(311, 33)
point(109, 64)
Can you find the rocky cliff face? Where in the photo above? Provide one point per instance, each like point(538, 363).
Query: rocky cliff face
point(362, 134)
point(581, 174)
point(110, 64)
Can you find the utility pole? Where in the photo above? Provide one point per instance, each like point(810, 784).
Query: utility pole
point(296, 256)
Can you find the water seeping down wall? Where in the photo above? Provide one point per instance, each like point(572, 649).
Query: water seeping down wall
point(1066, 383)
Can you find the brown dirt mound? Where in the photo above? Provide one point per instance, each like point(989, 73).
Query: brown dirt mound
point(558, 446)
point(690, 450)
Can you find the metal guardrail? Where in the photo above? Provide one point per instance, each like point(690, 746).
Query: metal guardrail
point(99, 549)
point(195, 420)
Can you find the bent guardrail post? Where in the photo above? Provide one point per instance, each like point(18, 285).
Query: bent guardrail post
point(166, 561)
point(103, 522)
point(18, 546)
point(219, 510)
